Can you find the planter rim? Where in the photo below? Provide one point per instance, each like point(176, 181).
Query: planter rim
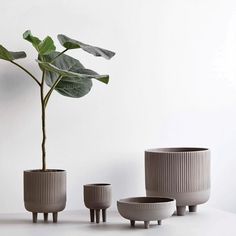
point(97, 185)
point(149, 200)
point(177, 150)
point(47, 171)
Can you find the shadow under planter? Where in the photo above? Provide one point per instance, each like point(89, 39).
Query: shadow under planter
point(45, 192)
point(97, 197)
point(180, 173)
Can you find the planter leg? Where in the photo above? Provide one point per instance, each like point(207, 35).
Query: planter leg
point(54, 217)
point(132, 223)
point(146, 224)
point(104, 215)
point(91, 215)
point(181, 210)
point(35, 216)
point(192, 208)
point(45, 217)
point(97, 216)
point(159, 222)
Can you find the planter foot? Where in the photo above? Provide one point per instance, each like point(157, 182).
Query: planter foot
point(146, 224)
point(104, 215)
point(181, 210)
point(159, 222)
point(35, 217)
point(193, 208)
point(97, 216)
point(92, 215)
point(132, 223)
point(54, 217)
point(45, 217)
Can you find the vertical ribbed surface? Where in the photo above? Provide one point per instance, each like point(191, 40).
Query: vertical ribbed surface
point(45, 189)
point(97, 196)
point(177, 171)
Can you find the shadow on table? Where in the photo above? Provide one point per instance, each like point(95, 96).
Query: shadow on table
point(18, 221)
point(14, 221)
point(118, 227)
point(105, 227)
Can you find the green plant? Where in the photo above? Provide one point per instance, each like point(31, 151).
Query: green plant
point(60, 72)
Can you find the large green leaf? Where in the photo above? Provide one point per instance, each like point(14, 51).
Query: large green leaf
point(74, 87)
point(72, 44)
point(10, 56)
point(44, 47)
point(68, 86)
point(80, 73)
point(63, 61)
point(32, 39)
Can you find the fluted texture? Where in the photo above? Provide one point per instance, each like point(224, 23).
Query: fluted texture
point(146, 203)
point(97, 196)
point(145, 208)
point(45, 191)
point(176, 171)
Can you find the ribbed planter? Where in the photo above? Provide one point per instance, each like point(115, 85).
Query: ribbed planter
point(97, 197)
point(180, 173)
point(146, 209)
point(45, 192)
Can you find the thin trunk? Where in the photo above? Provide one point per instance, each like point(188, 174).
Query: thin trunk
point(43, 125)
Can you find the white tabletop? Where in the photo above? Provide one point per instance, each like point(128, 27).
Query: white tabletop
point(206, 221)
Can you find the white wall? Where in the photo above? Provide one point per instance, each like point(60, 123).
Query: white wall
point(173, 83)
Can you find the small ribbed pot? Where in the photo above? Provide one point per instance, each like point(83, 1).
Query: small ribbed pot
point(45, 192)
point(97, 197)
point(180, 173)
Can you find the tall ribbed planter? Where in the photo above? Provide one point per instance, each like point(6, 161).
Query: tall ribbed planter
point(45, 192)
point(180, 173)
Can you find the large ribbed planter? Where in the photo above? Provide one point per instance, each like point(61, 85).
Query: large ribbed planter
point(180, 173)
point(45, 192)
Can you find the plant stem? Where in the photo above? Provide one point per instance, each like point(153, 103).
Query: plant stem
point(21, 67)
point(56, 82)
point(43, 124)
point(43, 107)
point(51, 90)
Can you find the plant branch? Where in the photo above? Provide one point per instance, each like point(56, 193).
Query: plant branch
point(56, 82)
point(51, 90)
point(43, 123)
point(21, 67)
point(59, 54)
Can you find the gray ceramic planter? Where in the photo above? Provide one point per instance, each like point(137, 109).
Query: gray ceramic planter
point(180, 173)
point(45, 192)
point(146, 209)
point(97, 197)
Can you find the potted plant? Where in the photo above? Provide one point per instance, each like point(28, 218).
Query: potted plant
point(45, 189)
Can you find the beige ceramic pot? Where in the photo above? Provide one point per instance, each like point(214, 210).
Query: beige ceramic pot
point(179, 173)
point(45, 192)
point(146, 209)
point(97, 197)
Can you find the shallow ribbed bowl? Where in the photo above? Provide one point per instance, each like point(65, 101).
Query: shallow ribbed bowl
point(181, 173)
point(45, 191)
point(146, 208)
